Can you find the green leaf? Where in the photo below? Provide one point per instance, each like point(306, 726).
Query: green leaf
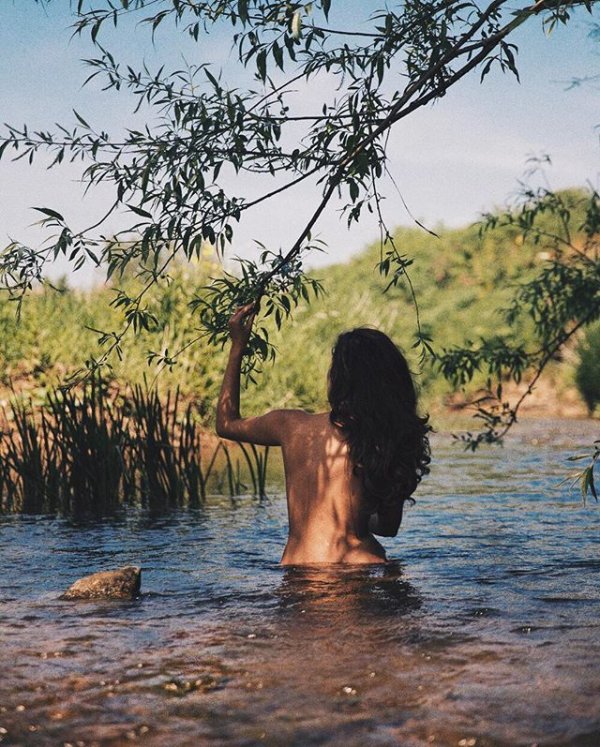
point(212, 79)
point(139, 211)
point(81, 119)
point(50, 213)
point(261, 64)
point(278, 55)
point(242, 9)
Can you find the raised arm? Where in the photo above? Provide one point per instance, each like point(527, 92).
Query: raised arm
point(267, 429)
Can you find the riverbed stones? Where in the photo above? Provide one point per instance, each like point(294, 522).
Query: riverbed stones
point(122, 583)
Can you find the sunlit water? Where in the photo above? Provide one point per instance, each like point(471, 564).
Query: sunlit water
point(485, 632)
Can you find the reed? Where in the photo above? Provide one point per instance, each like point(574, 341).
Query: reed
point(94, 452)
point(257, 466)
point(24, 456)
point(155, 449)
point(90, 437)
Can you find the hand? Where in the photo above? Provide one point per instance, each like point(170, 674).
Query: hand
point(240, 323)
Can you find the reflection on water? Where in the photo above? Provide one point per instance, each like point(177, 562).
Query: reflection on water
point(359, 594)
point(486, 631)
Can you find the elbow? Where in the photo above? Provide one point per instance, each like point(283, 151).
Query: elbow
point(225, 428)
point(220, 425)
point(222, 429)
point(226, 433)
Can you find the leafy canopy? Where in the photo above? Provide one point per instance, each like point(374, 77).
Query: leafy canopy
point(174, 178)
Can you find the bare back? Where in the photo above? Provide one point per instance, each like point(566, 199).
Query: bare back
point(327, 520)
point(326, 523)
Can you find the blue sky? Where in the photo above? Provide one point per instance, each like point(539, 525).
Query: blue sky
point(451, 161)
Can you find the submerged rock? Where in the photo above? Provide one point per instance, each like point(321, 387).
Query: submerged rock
point(122, 583)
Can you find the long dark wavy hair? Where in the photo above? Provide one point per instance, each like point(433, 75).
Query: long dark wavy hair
point(373, 401)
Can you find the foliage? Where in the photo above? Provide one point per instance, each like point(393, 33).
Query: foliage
point(560, 299)
point(172, 178)
point(283, 283)
point(94, 452)
point(57, 333)
point(586, 477)
point(459, 277)
point(456, 276)
point(587, 376)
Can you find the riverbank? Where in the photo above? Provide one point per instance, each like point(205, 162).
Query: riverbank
point(549, 399)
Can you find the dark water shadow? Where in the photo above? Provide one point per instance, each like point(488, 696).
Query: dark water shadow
point(371, 591)
point(136, 518)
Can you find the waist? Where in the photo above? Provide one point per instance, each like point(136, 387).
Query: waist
point(315, 549)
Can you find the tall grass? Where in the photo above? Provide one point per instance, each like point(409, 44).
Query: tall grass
point(94, 452)
point(256, 461)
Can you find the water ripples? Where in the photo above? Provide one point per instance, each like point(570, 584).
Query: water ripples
point(485, 628)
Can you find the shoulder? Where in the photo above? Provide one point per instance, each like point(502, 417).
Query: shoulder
point(287, 417)
point(299, 424)
point(304, 418)
point(270, 429)
point(293, 421)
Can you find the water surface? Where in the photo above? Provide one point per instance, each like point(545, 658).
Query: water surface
point(485, 631)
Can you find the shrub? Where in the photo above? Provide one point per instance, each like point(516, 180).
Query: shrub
point(587, 375)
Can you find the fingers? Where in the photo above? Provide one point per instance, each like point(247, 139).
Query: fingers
point(248, 308)
point(246, 311)
point(241, 321)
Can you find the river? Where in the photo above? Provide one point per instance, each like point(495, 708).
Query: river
point(484, 631)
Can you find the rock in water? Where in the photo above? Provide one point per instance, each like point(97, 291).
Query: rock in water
point(122, 583)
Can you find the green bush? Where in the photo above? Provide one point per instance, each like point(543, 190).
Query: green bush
point(587, 374)
point(460, 279)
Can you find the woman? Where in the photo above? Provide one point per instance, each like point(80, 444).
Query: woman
point(347, 471)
